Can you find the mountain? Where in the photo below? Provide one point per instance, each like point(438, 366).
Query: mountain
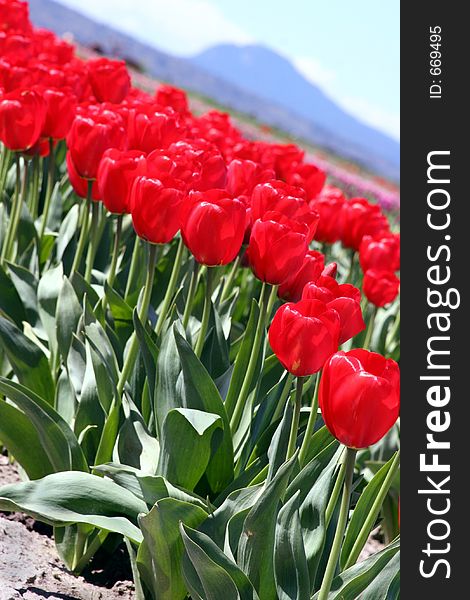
point(232, 76)
point(273, 78)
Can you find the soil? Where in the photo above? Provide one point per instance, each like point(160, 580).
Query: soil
point(31, 569)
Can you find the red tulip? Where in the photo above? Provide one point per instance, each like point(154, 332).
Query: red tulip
point(359, 218)
point(277, 247)
point(344, 298)
point(310, 270)
point(380, 287)
point(359, 396)
point(116, 174)
point(309, 177)
point(151, 128)
point(169, 96)
point(79, 184)
point(60, 113)
point(90, 136)
point(380, 252)
point(22, 115)
point(243, 175)
point(109, 79)
point(329, 205)
point(155, 209)
point(304, 335)
point(213, 226)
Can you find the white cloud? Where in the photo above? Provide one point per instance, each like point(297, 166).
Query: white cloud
point(183, 27)
point(386, 121)
point(315, 72)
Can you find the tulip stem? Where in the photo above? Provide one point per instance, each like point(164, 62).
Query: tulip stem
point(373, 513)
point(94, 239)
point(15, 214)
point(84, 221)
point(350, 461)
point(285, 392)
point(114, 260)
point(229, 280)
point(34, 199)
point(393, 331)
point(49, 188)
point(133, 266)
point(205, 313)
point(272, 299)
point(191, 293)
point(370, 328)
point(250, 371)
point(312, 419)
point(4, 168)
point(352, 263)
point(170, 291)
point(142, 312)
point(336, 491)
point(295, 418)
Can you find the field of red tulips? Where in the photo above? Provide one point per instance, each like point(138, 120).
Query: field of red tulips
point(199, 338)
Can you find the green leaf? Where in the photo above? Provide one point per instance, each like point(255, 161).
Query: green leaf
point(290, 561)
point(242, 360)
point(361, 513)
point(135, 446)
point(280, 440)
point(238, 501)
point(352, 582)
point(150, 488)
point(168, 384)
point(28, 361)
point(49, 288)
point(256, 546)
point(150, 353)
point(68, 315)
point(213, 575)
point(189, 438)
point(10, 301)
point(201, 393)
point(57, 439)
point(22, 441)
point(26, 285)
point(159, 556)
point(76, 497)
point(67, 231)
point(386, 585)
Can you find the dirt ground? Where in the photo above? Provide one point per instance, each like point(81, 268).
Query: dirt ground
point(30, 568)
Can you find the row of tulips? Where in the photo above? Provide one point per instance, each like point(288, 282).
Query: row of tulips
point(147, 394)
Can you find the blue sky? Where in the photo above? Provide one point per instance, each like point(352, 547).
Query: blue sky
point(350, 49)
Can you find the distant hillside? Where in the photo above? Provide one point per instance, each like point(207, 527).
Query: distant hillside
point(333, 129)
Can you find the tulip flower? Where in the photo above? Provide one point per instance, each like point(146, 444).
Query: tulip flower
point(22, 115)
point(79, 184)
point(109, 79)
point(381, 252)
point(155, 209)
point(344, 298)
point(309, 177)
point(244, 175)
point(359, 218)
point(277, 247)
point(328, 204)
point(60, 113)
point(172, 97)
point(90, 136)
point(310, 270)
point(359, 396)
point(116, 174)
point(151, 128)
point(213, 226)
point(304, 335)
point(380, 287)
